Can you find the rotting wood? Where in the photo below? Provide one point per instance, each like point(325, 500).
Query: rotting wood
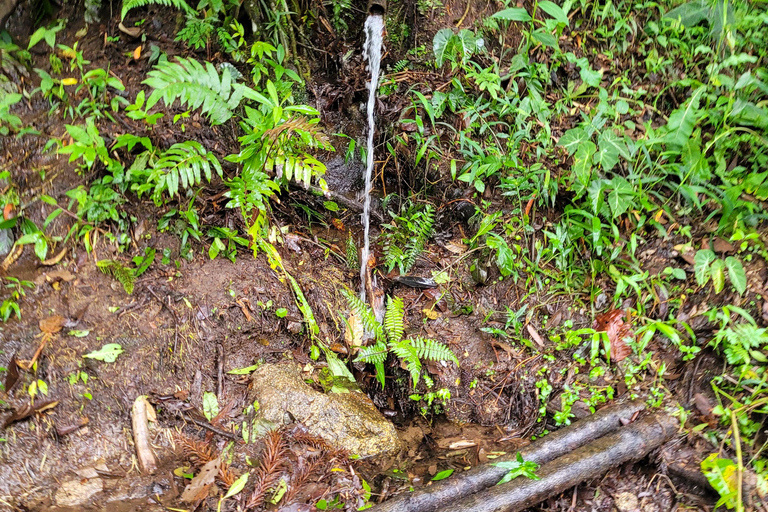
point(139, 422)
point(445, 493)
point(627, 444)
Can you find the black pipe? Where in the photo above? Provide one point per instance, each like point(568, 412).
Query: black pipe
point(377, 7)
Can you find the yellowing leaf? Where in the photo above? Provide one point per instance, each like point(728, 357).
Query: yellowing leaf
point(137, 53)
point(69, 81)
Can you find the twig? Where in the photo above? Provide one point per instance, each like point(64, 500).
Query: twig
point(208, 426)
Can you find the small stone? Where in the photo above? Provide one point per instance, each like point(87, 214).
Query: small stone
point(73, 493)
point(626, 502)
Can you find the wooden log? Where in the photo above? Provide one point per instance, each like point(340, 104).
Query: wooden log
point(588, 462)
point(444, 493)
point(140, 415)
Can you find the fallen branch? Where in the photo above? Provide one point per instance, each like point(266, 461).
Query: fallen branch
point(445, 493)
point(139, 422)
point(590, 461)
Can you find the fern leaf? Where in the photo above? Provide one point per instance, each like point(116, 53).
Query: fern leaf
point(424, 222)
point(183, 164)
point(197, 86)
point(365, 314)
point(408, 353)
point(128, 5)
point(393, 319)
point(123, 274)
point(373, 354)
point(433, 350)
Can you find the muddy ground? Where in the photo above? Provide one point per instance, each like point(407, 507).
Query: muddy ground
point(188, 323)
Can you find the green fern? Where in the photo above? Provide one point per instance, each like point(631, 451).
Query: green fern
point(353, 259)
point(183, 164)
point(406, 237)
point(197, 86)
point(393, 319)
point(408, 353)
point(389, 338)
point(433, 350)
point(197, 32)
point(366, 316)
point(128, 5)
point(125, 275)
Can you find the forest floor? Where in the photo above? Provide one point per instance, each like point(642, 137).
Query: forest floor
point(521, 321)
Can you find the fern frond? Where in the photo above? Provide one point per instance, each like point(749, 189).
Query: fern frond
point(373, 354)
point(184, 163)
point(133, 4)
point(408, 353)
point(432, 350)
point(123, 274)
point(353, 259)
point(365, 314)
point(393, 319)
point(197, 86)
point(423, 225)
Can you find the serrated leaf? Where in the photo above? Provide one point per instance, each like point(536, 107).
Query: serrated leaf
point(736, 274)
point(108, 353)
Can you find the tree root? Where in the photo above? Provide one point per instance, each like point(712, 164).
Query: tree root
point(445, 493)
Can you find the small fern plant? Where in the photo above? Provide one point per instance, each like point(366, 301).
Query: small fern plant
point(126, 275)
point(389, 336)
point(407, 235)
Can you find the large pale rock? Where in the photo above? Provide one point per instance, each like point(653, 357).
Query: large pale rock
point(73, 493)
point(345, 420)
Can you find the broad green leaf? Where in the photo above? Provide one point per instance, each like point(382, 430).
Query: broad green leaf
point(695, 162)
point(611, 148)
point(582, 166)
point(440, 44)
point(689, 14)
point(108, 353)
point(736, 274)
point(572, 139)
point(683, 120)
point(545, 38)
point(722, 476)
point(237, 485)
point(621, 197)
point(442, 475)
point(513, 14)
point(244, 371)
point(717, 271)
point(210, 405)
point(701, 262)
point(555, 11)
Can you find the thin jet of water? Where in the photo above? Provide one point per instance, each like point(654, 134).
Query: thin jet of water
point(374, 33)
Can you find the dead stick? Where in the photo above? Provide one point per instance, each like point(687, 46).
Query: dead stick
point(590, 461)
point(445, 493)
point(139, 422)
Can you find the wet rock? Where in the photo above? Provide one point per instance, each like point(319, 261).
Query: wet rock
point(73, 493)
point(345, 420)
point(626, 502)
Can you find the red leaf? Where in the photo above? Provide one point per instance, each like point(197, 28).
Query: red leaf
point(618, 331)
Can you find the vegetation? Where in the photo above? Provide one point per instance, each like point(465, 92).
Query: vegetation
point(612, 158)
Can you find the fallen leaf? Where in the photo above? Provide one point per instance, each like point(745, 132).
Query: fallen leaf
point(54, 260)
point(618, 331)
point(461, 444)
point(431, 314)
point(69, 81)
point(132, 31)
point(52, 324)
point(198, 487)
point(535, 335)
point(721, 246)
point(68, 429)
point(354, 333)
point(28, 409)
point(12, 376)
point(137, 53)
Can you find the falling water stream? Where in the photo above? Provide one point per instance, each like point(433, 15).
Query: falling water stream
point(374, 33)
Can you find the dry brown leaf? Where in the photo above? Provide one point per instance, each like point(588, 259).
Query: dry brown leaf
point(52, 324)
point(354, 333)
point(137, 53)
point(52, 261)
point(618, 331)
point(198, 487)
point(535, 335)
